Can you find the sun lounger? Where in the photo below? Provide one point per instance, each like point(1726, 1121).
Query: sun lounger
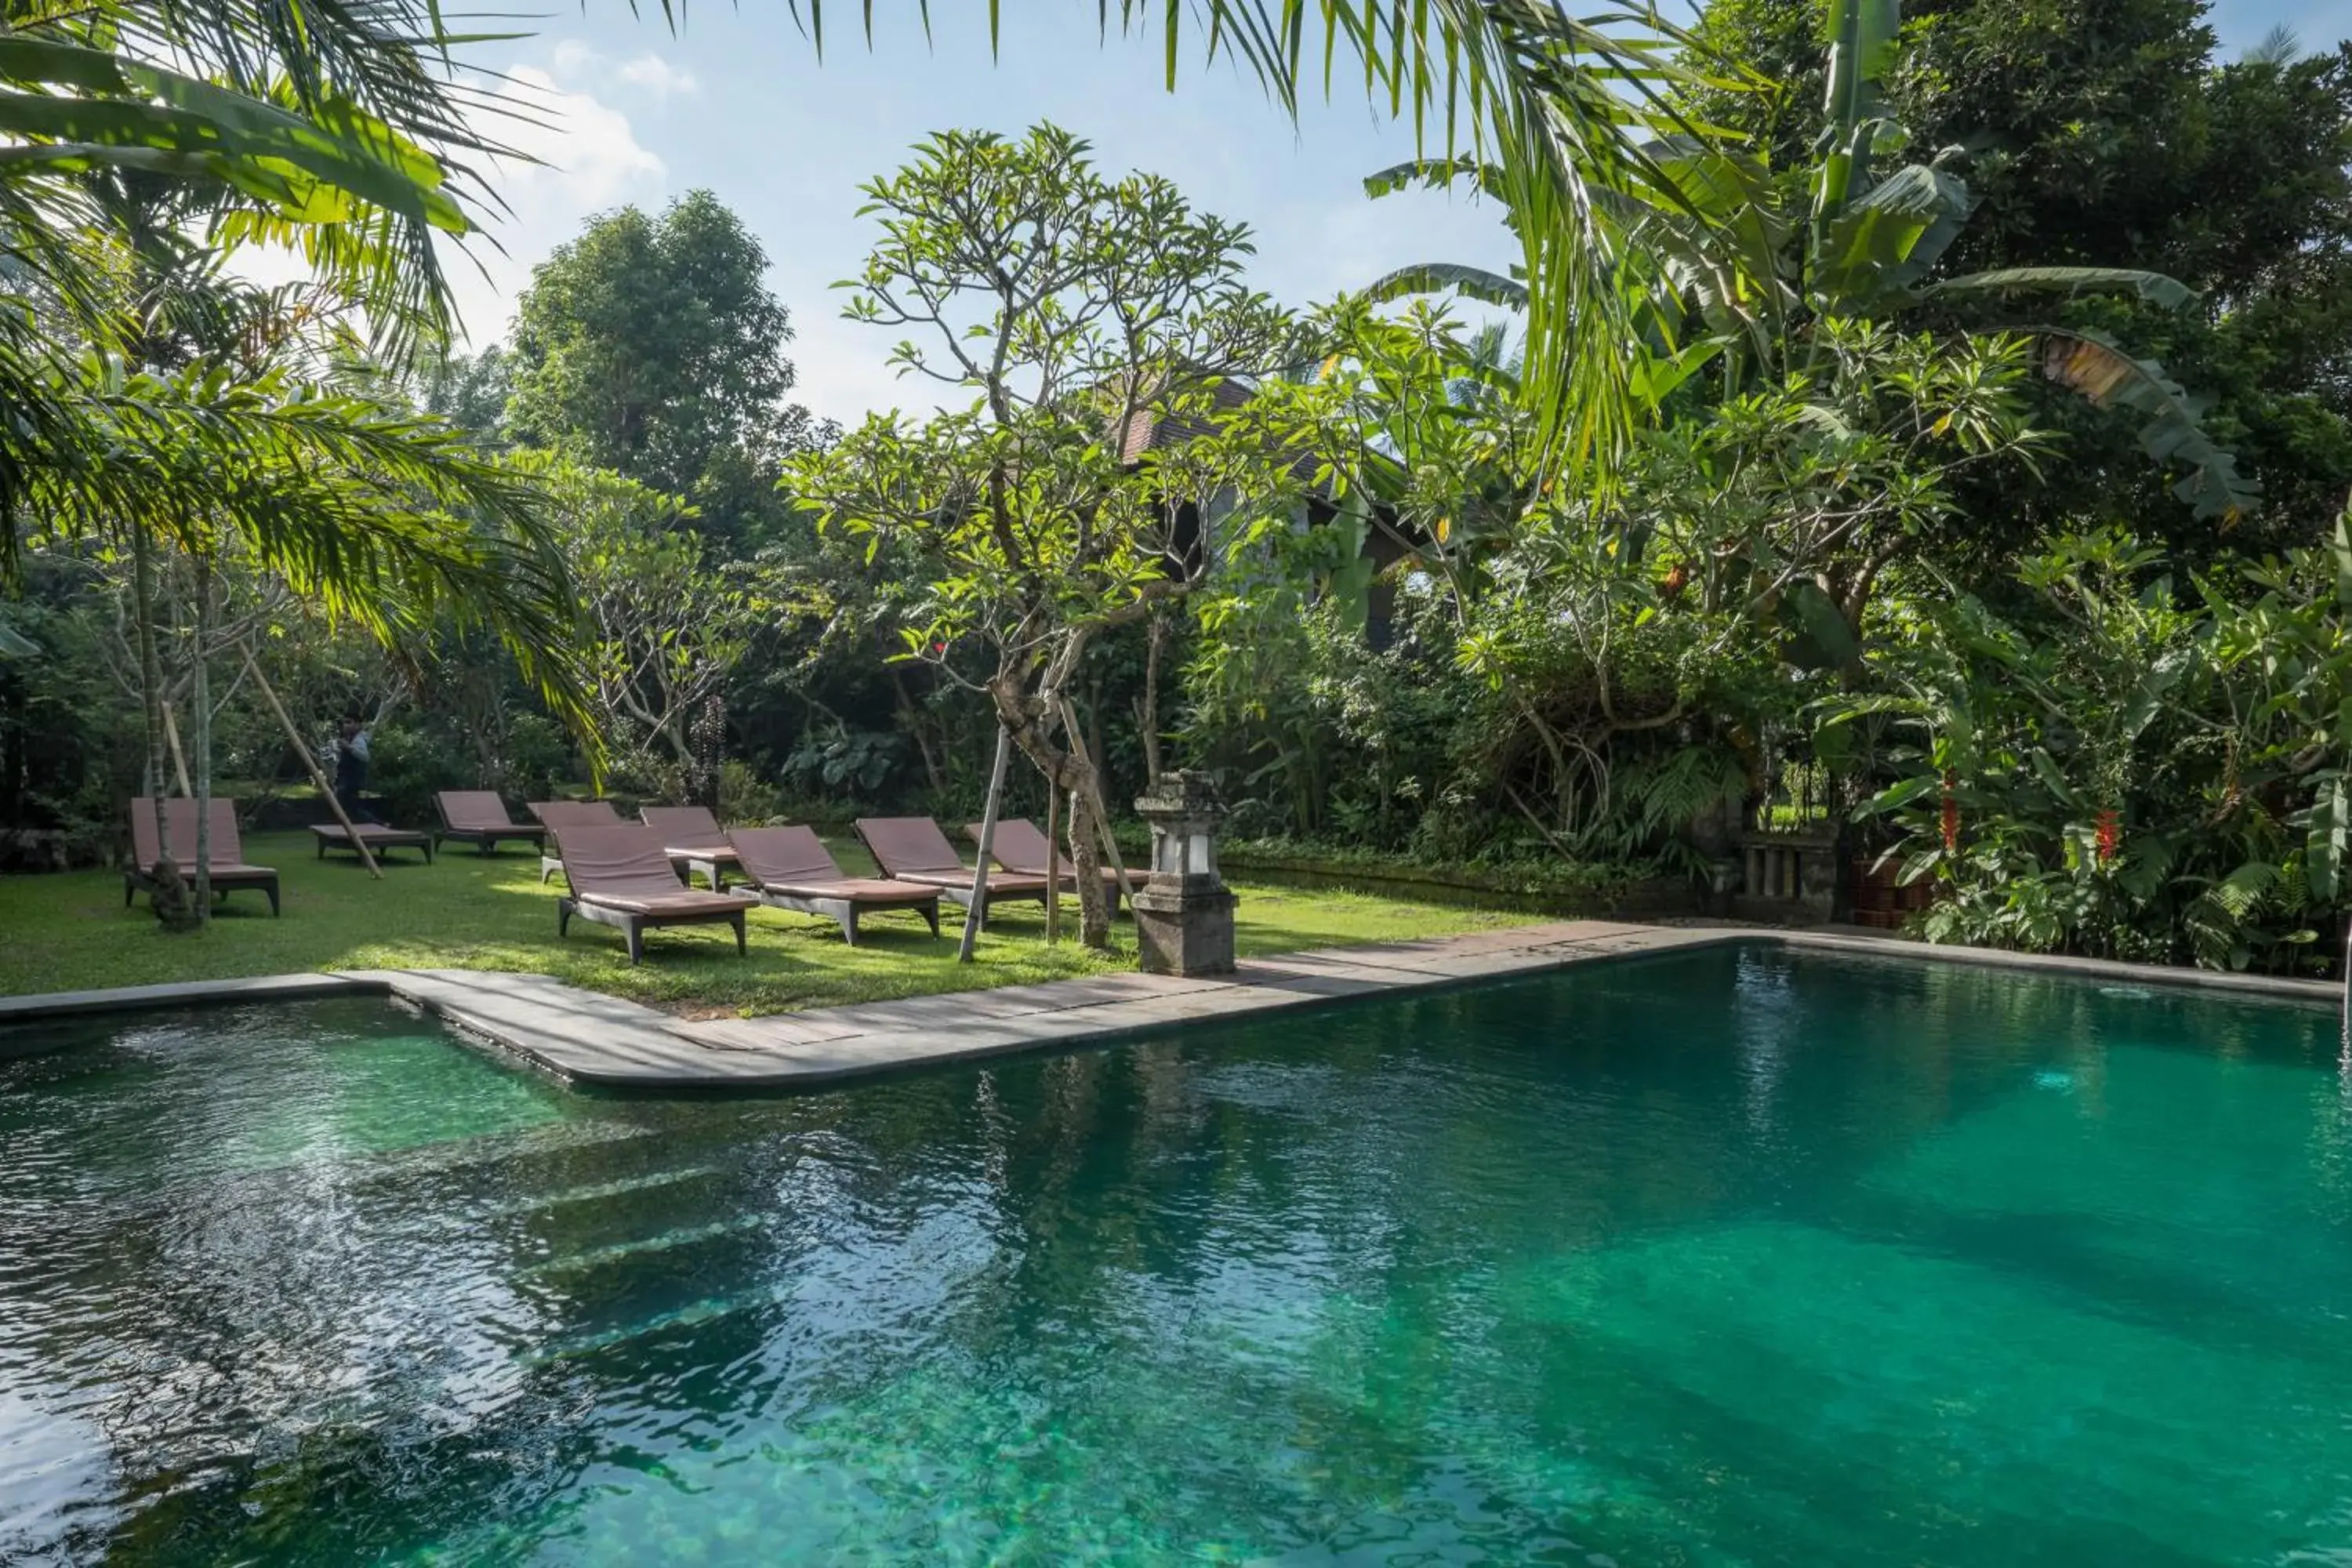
point(1021, 848)
point(913, 849)
point(229, 871)
point(558, 814)
point(620, 876)
point(378, 838)
point(694, 839)
point(478, 817)
point(790, 868)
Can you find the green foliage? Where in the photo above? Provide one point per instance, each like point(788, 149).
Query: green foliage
point(2107, 132)
point(652, 347)
point(849, 764)
point(2137, 771)
point(663, 627)
point(408, 766)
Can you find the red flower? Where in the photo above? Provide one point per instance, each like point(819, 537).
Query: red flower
point(2111, 833)
point(1951, 813)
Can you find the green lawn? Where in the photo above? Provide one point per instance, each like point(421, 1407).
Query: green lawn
point(70, 933)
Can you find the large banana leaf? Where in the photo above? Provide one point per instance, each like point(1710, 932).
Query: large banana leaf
point(1434, 175)
point(1437, 276)
point(2153, 287)
point(1860, 34)
point(2092, 365)
point(1891, 236)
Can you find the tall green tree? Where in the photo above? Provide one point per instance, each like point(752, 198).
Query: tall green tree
point(651, 346)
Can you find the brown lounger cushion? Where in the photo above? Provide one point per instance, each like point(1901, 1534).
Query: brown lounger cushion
point(227, 853)
point(684, 826)
point(1019, 846)
point(910, 847)
point(914, 849)
point(476, 811)
point(626, 867)
point(795, 862)
point(561, 814)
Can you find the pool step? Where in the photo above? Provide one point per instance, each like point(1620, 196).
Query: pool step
point(622, 1251)
point(708, 1309)
point(542, 1202)
point(505, 1152)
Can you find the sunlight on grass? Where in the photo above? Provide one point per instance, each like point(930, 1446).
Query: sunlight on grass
point(71, 932)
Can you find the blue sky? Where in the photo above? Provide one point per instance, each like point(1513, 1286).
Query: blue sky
point(737, 100)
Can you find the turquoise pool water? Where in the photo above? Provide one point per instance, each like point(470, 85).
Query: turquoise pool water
point(1735, 1258)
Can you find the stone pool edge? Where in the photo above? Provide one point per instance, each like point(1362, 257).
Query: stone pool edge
point(588, 1038)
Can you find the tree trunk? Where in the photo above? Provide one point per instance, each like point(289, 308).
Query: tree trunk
point(1147, 712)
point(170, 898)
point(1023, 717)
point(1086, 864)
point(200, 703)
point(1105, 840)
point(913, 720)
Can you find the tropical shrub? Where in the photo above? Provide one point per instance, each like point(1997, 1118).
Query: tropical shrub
point(2124, 760)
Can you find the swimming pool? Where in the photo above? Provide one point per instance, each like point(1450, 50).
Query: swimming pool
point(1732, 1256)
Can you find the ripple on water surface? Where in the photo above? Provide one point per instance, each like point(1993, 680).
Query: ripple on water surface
point(1729, 1258)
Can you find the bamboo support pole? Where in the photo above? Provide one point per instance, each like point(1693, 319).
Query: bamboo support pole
point(1095, 797)
point(179, 757)
point(318, 774)
point(976, 911)
point(1053, 862)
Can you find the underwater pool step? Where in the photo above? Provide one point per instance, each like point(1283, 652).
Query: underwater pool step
point(708, 1309)
point(622, 1251)
point(651, 1180)
point(509, 1151)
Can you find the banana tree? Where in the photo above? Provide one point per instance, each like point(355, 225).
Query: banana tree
point(1737, 266)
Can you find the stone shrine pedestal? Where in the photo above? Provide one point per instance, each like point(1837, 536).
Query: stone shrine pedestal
point(1184, 912)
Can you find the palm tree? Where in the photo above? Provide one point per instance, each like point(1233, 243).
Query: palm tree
point(150, 400)
point(334, 125)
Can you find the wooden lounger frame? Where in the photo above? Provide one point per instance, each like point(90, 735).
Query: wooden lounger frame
point(633, 925)
point(486, 837)
point(330, 835)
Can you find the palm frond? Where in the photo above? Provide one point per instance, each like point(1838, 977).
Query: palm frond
point(1552, 111)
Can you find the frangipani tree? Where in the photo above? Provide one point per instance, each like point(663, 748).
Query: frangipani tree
point(1101, 332)
point(663, 627)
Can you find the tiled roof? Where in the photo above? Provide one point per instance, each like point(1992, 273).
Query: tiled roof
point(1149, 429)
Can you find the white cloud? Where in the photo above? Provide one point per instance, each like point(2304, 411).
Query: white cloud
point(657, 76)
point(650, 75)
point(588, 159)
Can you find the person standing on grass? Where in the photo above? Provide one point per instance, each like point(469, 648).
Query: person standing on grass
point(352, 769)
